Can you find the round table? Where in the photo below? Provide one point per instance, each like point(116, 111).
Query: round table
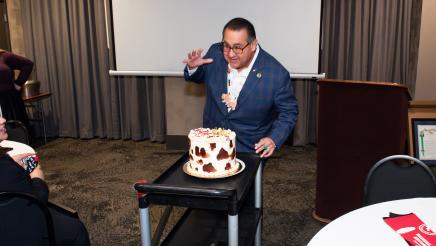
point(17, 148)
point(365, 226)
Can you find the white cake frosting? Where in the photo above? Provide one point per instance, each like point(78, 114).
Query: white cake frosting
point(212, 152)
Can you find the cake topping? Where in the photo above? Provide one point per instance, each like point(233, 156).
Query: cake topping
point(212, 133)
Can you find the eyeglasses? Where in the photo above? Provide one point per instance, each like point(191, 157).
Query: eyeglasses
point(236, 49)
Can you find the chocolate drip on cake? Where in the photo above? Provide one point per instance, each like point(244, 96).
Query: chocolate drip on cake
point(209, 168)
point(190, 157)
point(231, 143)
point(233, 155)
point(212, 146)
point(222, 154)
point(197, 151)
point(203, 153)
point(228, 166)
point(200, 162)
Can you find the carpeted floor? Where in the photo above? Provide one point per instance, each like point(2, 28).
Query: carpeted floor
point(95, 178)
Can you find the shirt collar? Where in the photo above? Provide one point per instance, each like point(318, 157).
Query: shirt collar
point(245, 71)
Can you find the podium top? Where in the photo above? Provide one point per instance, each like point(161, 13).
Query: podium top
point(370, 83)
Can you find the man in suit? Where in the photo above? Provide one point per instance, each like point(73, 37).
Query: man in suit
point(13, 177)
point(248, 90)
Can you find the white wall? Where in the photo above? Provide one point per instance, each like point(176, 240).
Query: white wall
point(426, 78)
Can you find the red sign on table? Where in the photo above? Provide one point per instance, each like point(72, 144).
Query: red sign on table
point(412, 229)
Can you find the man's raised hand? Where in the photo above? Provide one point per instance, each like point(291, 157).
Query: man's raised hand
point(195, 59)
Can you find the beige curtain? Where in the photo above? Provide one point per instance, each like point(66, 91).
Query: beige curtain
point(375, 40)
point(305, 131)
point(67, 40)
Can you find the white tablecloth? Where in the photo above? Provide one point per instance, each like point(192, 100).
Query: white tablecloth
point(365, 226)
point(17, 148)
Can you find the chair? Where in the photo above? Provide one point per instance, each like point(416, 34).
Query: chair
point(22, 216)
point(396, 177)
point(17, 132)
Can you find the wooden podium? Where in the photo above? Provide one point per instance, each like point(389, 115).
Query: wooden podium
point(359, 123)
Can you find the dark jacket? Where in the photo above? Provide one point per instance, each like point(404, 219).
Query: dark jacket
point(14, 178)
point(266, 106)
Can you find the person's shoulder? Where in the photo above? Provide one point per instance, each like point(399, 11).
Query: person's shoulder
point(9, 168)
point(215, 46)
point(6, 54)
point(215, 49)
point(271, 61)
point(16, 58)
point(9, 56)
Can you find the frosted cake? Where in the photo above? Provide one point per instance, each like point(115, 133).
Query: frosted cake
point(212, 153)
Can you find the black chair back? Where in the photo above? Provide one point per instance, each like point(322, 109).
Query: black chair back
point(17, 132)
point(25, 220)
point(398, 177)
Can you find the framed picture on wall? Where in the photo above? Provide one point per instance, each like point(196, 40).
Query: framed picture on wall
point(424, 140)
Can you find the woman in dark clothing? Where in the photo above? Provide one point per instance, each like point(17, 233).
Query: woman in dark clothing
point(10, 96)
point(13, 177)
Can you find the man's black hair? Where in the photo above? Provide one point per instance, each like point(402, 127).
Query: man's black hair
point(237, 24)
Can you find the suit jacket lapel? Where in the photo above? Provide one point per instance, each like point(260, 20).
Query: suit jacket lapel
point(221, 86)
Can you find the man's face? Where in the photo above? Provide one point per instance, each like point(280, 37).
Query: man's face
point(3, 133)
point(233, 39)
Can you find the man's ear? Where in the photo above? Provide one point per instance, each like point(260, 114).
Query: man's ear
point(253, 45)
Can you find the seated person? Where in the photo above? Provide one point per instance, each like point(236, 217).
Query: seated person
point(13, 177)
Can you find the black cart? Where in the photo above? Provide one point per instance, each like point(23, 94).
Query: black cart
point(217, 214)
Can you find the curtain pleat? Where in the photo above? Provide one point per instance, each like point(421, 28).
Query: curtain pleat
point(67, 40)
point(374, 40)
point(305, 131)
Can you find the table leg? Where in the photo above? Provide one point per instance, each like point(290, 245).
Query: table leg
point(233, 230)
point(258, 202)
point(144, 220)
point(258, 237)
point(40, 111)
point(258, 187)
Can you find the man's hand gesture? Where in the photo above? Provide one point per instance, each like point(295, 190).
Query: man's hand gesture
point(195, 59)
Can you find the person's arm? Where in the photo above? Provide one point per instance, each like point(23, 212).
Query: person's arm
point(194, 69)
point(40, 187)
point(22, 64)
point(287, 111)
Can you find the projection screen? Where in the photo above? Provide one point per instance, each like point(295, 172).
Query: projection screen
point(152, 37)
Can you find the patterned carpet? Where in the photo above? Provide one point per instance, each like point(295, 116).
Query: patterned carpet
point(95, 178)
